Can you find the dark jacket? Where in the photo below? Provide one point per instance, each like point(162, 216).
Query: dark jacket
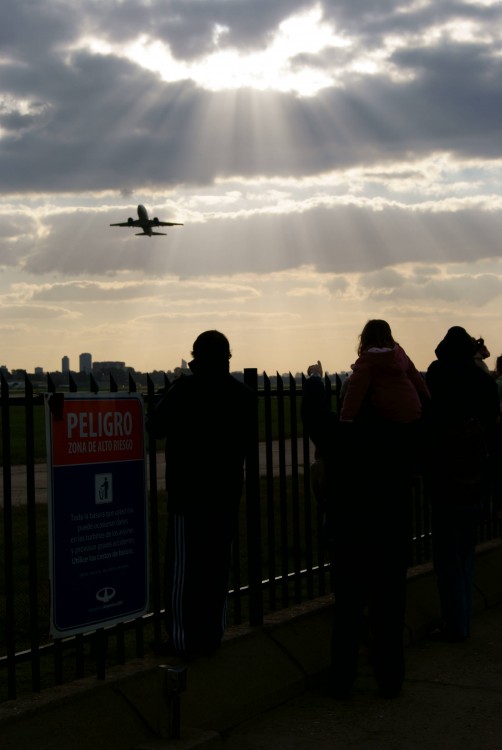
point(461, 390)
point(208, 420)
point(463, 416)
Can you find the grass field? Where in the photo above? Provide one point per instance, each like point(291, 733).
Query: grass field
point(18, 435)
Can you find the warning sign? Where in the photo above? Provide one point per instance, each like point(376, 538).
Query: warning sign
point(97, 510)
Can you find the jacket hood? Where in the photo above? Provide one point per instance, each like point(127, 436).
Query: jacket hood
point(387, 357)
point(456, 345)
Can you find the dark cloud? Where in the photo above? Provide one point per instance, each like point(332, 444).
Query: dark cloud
point(29, 29)
point(383, 279)
point(32, 28)
point(190, 30)
point(370, 22)
point(75, 122)
point(188, 26)
point(458, 289)
point(88, 122)
point(102, 123)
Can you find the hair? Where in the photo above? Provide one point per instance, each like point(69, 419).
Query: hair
point(498, 365)
point(375, 333)
point(456, 345)
point(211, 347)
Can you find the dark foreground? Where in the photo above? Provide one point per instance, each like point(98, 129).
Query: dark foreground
point(263, 689)
point(452, 700)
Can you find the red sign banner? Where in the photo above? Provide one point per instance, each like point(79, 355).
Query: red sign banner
point(97, 431)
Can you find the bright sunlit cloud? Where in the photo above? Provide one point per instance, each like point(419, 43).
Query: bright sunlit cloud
point(273, 67)
point(282, 65)
point(328, 166)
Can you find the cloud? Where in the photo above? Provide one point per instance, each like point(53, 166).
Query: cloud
point(356, 174)
point(166, 290)
point(371, 22)
point(462, 289)
point(74, 121)
point(192, 28)
point(333, 235)
point(35, 313)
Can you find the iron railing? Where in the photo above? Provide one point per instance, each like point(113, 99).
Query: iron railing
point(279, 559)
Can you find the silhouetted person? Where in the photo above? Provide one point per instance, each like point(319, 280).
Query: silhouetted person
point(370, 458)
point(498, 376)
point(464, 414)
point(207, 420)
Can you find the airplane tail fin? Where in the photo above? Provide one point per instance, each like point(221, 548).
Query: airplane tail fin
point(146, 234)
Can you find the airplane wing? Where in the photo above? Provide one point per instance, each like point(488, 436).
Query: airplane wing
point(164, 223)
point(134, 223)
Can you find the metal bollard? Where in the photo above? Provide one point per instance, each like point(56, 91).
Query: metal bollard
point(175, 684)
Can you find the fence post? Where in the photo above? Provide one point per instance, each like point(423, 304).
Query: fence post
point(32, 534)
point(154, 520)
point(253, 513)
point(10, 639)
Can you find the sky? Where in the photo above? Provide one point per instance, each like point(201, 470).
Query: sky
point(331, 162)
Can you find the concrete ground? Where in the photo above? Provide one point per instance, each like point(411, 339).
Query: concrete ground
point(452, 700)
point(264, 689)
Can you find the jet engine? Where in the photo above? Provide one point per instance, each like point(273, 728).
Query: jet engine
point(130, 221)
point(156, 221)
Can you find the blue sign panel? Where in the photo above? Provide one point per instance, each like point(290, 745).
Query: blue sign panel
point(97, 510)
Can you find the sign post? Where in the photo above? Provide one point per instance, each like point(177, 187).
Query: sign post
point(98, 550)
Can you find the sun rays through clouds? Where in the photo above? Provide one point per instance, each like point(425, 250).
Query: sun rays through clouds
point(330, 162)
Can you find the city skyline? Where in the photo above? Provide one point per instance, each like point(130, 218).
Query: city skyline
point(330, 162)
point(66, 368)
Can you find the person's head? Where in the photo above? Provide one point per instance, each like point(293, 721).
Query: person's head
point(211, 350)
point(456, 345)
point(375, 333)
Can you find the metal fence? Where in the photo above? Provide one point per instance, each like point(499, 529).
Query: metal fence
point(279, 553)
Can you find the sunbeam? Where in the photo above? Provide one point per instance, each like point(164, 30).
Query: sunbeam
point(329, 162)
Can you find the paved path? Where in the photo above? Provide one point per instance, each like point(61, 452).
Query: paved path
point(451, 700)
point(18, 485)
point(18, 473)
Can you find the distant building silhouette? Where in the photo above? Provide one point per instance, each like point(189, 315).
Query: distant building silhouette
point(65, 364)
point(85, 363)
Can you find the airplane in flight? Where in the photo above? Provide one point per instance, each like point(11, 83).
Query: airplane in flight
point(146, 224)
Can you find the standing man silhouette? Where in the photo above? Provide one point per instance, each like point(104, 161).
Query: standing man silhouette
point(207, 419)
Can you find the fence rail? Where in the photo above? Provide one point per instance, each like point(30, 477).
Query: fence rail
point(279, 553)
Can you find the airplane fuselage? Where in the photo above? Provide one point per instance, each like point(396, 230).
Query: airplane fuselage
point(142, 214)
point(144, 221)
